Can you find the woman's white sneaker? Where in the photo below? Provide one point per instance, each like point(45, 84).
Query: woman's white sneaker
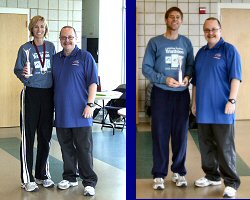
point(47, 183)
point(30, 187)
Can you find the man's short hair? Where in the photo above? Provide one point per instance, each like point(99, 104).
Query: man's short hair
point(213, 18)
point(173, 9)
point(68, 27)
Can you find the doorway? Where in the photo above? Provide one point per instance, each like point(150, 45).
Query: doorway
point(236, 31)
point(14, 34)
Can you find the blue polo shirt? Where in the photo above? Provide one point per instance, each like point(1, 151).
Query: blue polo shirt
point(72, 76)
point(214, 70)
point(161, 60)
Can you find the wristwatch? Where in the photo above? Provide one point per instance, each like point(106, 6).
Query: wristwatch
point(232, 101)
point(91, 105)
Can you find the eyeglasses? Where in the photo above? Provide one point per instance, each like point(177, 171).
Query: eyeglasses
point(214, 30)
point(65, 38)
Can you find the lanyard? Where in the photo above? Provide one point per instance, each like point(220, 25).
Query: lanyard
point(44, 52)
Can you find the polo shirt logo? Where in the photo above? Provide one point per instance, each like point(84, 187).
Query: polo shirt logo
point(217, 56)
point(76, 63)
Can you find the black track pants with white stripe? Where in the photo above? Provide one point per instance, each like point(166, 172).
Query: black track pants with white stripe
point(36, 117)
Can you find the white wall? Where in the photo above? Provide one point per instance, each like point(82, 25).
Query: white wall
point(110, 43)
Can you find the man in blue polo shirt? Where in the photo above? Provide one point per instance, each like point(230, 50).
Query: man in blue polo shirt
point(216, 82)
point(75, 83)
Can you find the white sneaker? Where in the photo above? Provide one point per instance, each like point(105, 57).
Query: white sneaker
point(159, 184)
point(203, 182)
point(64, 184)
point(179, 180)
point(89, 191)
point(175, 177)
point(229, 192)
point(47, 183)
point(30, 187)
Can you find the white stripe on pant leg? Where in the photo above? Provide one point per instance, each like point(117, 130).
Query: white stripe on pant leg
point(26, 177)
point(47, 165)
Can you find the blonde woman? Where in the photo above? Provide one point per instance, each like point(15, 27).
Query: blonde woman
point(33, 68)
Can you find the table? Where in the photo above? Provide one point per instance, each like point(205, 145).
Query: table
point(108, 95)
point(105, 95)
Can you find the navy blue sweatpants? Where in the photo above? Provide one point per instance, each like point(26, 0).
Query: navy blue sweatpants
point(170, 111)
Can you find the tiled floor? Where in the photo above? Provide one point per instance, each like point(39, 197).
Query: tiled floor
point(144, 188)
point(109, 164)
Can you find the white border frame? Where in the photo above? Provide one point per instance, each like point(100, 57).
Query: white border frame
point(14, 10)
